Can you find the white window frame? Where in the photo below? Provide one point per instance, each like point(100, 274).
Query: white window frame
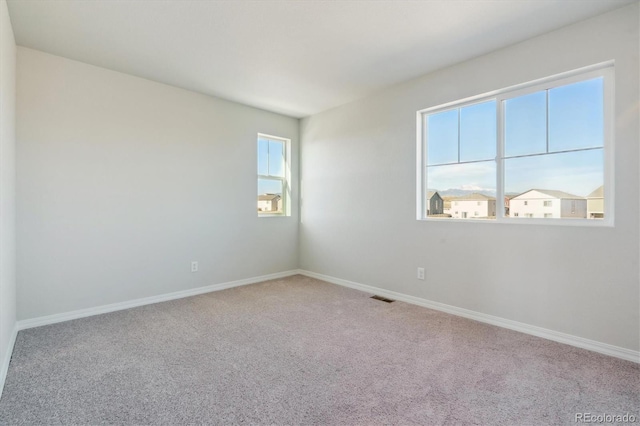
point(286, 188)
point(604, 70)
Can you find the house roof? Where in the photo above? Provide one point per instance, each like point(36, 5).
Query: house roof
point(597, 193)
point(553, 194)
point(474, 197)
point(268, 197)
point(431, 194)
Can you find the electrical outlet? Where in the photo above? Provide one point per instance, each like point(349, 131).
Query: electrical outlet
point(421, 273)
point(194, 266)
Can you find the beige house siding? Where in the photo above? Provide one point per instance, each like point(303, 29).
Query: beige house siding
point(595, 208)
point(595, 203)
point(269, 203)
point(547, 204)
point(473, 209)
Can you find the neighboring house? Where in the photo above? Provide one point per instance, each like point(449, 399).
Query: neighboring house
point(474, 206)
point(447, 207)
point(435, 203)
point(595, 204)
point(547, 203)
point(506, 205)
point(269, 203)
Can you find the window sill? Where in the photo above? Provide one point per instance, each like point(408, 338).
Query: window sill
point(588, 223)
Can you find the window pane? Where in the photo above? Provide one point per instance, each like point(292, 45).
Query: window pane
point(463, 186)
point(276, 158)
point(576, 115)
point(478, 132)
point(442, 137)
point(263, 159)
point(270, 195)
point(567, 180)
point(526, 124)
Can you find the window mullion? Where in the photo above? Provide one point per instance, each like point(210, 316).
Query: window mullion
point(547, 117)
point(500, 205)
point(268, 157)
point(459, 135)
point(424, 169)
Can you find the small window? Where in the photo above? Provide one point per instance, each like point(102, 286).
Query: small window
point(547, 215)
point(273, 187)
point(550, 138)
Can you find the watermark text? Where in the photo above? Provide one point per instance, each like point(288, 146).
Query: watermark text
point(605, 418)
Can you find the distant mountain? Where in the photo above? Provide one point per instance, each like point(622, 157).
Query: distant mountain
point(456, 192)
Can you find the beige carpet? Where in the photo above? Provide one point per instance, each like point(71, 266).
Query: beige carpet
point(302, 351)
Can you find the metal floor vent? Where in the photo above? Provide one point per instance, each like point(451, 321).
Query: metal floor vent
point(383, 299)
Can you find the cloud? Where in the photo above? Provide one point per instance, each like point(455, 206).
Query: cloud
point(468, 177)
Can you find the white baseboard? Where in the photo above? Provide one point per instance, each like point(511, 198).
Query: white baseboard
point(4, 367)
point(556, 336)
point(580, 342)
point(81, 313)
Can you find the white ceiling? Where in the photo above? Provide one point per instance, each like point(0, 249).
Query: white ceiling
point(292, 57)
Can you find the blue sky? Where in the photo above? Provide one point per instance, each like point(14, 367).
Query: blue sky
point(270, 162)
point(575, 121)
point(477, 134)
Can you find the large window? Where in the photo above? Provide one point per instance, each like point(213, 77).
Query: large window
point(540, 152)
point(273, 172)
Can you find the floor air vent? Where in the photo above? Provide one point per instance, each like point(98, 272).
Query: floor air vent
point(383, 299)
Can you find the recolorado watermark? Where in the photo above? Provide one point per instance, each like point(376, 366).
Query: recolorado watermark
point(605, 418)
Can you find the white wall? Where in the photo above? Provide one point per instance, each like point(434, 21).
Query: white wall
point(122, 182)
point(585, 281)
point(7, 188)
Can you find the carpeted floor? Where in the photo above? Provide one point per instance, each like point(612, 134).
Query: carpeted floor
point(300, 351)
